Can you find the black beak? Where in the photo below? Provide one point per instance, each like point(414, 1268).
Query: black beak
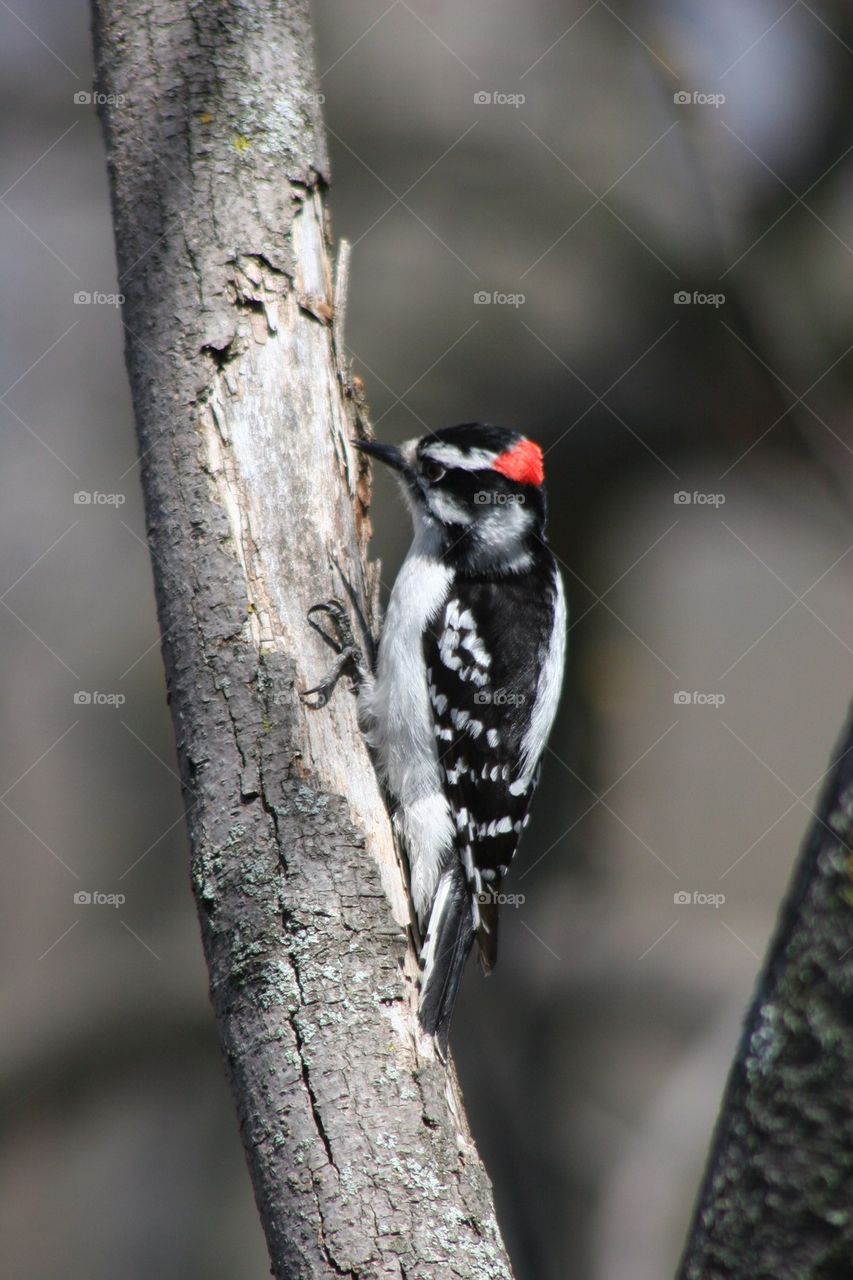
point(387, 453)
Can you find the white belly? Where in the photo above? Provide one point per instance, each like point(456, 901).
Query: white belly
point(398, 720)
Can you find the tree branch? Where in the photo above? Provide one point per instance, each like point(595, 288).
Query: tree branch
point(361, 1160)
point(777, 1198)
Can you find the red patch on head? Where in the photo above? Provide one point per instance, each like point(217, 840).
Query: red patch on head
point(523, 464)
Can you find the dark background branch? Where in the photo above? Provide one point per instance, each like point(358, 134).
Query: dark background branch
point(778, 1189)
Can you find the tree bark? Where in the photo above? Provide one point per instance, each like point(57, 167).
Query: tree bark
point(359, 1153)
point(777, 1198)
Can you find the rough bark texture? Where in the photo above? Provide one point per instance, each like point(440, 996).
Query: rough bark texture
point(359, 1153)
point(777, 1200)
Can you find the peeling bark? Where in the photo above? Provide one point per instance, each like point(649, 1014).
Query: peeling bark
point(359, 1153)
point(777, 1200)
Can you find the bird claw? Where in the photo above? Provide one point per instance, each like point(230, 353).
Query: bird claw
point(349, 658)
point(336, 611)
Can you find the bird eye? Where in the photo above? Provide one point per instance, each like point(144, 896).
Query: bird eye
point(433, 471)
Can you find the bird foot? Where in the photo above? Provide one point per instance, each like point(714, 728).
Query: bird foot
point(349, 658)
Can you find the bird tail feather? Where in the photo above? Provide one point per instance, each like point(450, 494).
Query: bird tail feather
point(449, 938)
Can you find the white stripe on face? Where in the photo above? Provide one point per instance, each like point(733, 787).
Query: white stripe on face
point(447, 508)
point(465, 459)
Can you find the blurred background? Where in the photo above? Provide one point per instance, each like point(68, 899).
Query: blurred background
point(625, 229)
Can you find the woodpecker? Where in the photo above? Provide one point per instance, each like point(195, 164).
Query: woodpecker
point(466, 685)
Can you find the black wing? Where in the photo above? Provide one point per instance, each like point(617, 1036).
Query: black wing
point(484, 654)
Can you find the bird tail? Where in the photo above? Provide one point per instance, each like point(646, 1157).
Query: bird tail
point(449, 938)
point(487, 932)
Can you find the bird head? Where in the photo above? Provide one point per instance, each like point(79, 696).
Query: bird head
point(476, 491)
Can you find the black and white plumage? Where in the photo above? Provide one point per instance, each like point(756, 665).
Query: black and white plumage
point(466, 687)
